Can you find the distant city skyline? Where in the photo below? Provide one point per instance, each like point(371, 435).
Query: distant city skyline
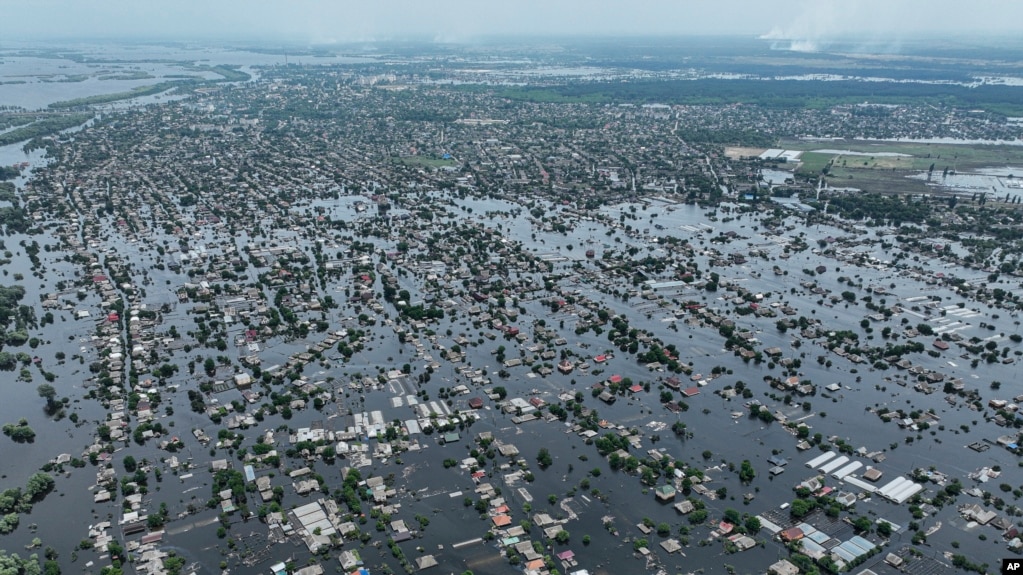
point(804, 24)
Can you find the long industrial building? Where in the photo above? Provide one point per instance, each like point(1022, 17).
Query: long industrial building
point(857, 482)
point(820, 459)
point(834, 464)
point(905, 492)
point(846, 470)
point(893, 486)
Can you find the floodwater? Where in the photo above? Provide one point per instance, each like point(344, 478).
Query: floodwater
point(425, 487)
point(996, 184)
point(33, 82)
point(775, 177)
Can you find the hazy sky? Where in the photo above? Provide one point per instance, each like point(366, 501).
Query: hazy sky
point(461, 20)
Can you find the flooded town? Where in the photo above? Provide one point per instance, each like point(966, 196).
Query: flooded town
point(399, 311)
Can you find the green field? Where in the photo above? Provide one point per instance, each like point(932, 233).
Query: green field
point(778, 94)
point(867, 167)
point(959, 156)
point(47, 126)
point(108, 98)
point(811, 163)
point(126, 75)
point(881, 181)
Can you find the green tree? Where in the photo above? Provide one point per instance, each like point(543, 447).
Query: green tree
point(38, 485)
point(697, 517)
point(49, 393)
point(544, 458)
point(752, 524)
point(862, 524)
point(746, 472)
point(800, 507)
point(8, 523)
point(884, 529)
point(173, 564)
